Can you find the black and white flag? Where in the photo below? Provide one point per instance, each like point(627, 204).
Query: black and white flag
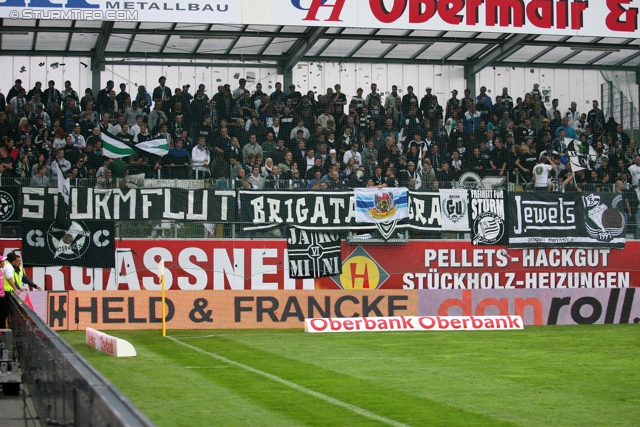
point(88, 244)
point(64, 190)
point(581, 157)
point(313, 254)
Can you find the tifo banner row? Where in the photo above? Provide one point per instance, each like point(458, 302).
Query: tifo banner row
point(264, 265)
point(131, 204)
point(261, 309)
point(611, 18)
point(492, 217)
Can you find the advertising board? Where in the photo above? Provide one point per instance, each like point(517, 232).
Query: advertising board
point(611, 18)
point(537, 306)
point(219, 310)
point(260, 265)
point(112, 310)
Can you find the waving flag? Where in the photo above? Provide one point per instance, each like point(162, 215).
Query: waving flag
point(113, 148)
point(159, 147)
point(581, 157)
point(376, 205)
point(64, 191)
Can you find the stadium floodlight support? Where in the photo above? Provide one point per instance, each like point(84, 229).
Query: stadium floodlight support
point(205, 36)
point(407, 40)
point(595, 48)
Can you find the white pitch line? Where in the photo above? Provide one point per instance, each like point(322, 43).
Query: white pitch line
point(295, 386)
point(198, 337)
point(206, 367)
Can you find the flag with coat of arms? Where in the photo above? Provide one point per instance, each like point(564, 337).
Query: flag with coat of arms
point(379, 205)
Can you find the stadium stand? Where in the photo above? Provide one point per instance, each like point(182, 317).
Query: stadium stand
point(288, 140)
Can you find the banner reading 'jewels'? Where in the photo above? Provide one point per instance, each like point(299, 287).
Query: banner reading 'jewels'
point(566, 220)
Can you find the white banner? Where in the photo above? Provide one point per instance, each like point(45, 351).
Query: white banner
point(413, 323)
point(454, 205)
point(222, 12)
point(378, 205)
point(611, 18)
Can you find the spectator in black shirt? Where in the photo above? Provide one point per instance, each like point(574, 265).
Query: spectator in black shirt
point(94, 160)
point(498, 159)
point(71, 153)
point(222, 142)
point(124, 135)
point(477, 164)
point(122, 96)
point(204, 128)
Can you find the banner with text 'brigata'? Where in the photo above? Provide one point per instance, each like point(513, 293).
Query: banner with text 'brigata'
point(336, 210)
point(566, 220)
point(133, 204)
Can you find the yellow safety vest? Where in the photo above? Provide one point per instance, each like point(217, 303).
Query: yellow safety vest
point(17, 279)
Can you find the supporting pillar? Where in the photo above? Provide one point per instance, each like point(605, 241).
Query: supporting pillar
point(96, 72)
point(470, 80)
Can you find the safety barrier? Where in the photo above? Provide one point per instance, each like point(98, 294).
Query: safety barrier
point(66, 389)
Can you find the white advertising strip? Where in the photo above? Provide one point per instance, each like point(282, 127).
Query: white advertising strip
point(205, 11)
point(107, 344)
point(413, 323)
point(611, 18)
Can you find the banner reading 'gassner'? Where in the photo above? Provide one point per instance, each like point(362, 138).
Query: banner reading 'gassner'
point(244, 264)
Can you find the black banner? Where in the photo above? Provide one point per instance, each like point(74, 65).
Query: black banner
point(82, 244)
point(329, 210)
point(133, 204)
point(566, 220)
point(488, 218)
point(9, 197)
point(313, 254)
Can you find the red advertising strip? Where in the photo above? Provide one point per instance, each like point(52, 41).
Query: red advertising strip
point(537, 306)
point(414, 323)
point(263, 265)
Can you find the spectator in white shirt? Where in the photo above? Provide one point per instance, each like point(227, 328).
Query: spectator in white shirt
point(353, 153)
point(201, 158)
point(634, 171)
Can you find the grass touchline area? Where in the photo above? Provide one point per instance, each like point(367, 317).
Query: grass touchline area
point(294, 386)
point(560, 375)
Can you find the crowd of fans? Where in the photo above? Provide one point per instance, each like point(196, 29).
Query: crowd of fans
point(286, 139)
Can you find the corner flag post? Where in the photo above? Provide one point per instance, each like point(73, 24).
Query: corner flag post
point(164, 309)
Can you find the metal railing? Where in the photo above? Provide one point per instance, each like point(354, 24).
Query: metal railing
point(153, 229)
point(66, 389)
point(617, 105)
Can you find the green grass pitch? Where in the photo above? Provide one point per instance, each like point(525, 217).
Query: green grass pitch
point(542, 376)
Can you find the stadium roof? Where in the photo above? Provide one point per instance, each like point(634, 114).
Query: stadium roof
point(285, 46)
